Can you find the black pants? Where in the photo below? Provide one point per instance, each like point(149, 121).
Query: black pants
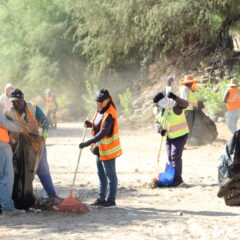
point(52, 117)
point(174, 150)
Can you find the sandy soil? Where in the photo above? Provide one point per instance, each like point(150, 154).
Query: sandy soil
point(189, 212)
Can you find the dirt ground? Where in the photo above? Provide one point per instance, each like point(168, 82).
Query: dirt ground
point(192, 211)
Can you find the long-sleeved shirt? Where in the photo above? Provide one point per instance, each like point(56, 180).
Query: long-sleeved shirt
point(9, 125)
point(5, 103)
point(39, 115)
point(106, 129)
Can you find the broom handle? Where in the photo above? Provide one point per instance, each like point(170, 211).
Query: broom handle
point(161, 142)
point(164, 122)
point(79, 156)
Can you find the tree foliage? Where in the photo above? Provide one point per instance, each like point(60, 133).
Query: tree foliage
point(48, 43)
point(112, 32)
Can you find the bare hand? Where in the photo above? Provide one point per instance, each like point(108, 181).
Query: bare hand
point(25, 130)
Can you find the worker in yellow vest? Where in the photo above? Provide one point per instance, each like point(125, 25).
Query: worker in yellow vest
point(6, 165)
point(51, 107)
point(187, 92)
point(172, 123)
point(105, 143)
point(232, 100)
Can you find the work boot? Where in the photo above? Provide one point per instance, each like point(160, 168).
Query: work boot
point(99, 202)
point(109, 204)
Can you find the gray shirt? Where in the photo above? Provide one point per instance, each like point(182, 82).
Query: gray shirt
point(9, 125)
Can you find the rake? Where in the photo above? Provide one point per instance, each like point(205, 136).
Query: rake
point(71, 204)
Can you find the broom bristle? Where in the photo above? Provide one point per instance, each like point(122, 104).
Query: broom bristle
point(71, 205)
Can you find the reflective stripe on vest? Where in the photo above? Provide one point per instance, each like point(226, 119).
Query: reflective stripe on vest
point(233, 101)
point(176, 125)
point(30, 114)
point(4, 137)
point(192, 101)
point(51, 106)
point(109, 147)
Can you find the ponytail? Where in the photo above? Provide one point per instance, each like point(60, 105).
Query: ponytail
point(111, 102)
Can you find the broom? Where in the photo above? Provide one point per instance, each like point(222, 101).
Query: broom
point(71, 204)
point(157, 169)
point(161, 142)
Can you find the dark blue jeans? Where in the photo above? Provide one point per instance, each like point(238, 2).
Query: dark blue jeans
point(107, 176)
point(174, 151)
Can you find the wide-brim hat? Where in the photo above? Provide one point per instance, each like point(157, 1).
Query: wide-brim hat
point(188, 79)
point(233, 83)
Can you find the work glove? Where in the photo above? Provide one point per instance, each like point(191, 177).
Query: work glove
point(172, 96)
point(87, 124)
point(158, 97)
point(83, 145)
point(163, 132)
point(45, 134)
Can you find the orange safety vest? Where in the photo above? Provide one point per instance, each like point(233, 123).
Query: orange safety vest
point(50, 100)
point(109, 147)
point(4, 137)
point(30, 111)
point(233, 100)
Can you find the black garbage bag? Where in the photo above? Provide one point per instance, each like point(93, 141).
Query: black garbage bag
point(26, 157)
point(202, 130)
point(229, 172)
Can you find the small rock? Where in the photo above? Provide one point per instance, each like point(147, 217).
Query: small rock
point(37, 210)
point(179, 213)
point(221, 120)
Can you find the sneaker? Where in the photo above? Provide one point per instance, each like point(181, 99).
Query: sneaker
point(56, 199)
point(109, 204)
point(99, 202)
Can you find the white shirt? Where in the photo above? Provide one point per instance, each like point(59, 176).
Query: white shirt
point(184, 92)
point(5, 104)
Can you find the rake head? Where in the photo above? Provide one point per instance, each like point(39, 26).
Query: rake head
point(71, 205)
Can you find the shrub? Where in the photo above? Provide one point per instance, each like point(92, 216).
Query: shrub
point(126, 99)
point(90, 104)
point(213, 98)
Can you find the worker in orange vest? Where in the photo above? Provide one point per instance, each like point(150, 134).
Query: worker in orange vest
point(105, 143)
point(33, 115)
point(232, 99)
point(52, 107)
point(6, 165)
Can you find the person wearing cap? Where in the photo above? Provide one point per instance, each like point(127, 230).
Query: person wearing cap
point(105, 143)
point(51, 107)
point(5, 104)
point(34, 117)
point(232, 100)
point(6, 165)
point(171, 123)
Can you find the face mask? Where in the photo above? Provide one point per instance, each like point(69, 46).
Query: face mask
point(19, 106)
point(166, 103)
